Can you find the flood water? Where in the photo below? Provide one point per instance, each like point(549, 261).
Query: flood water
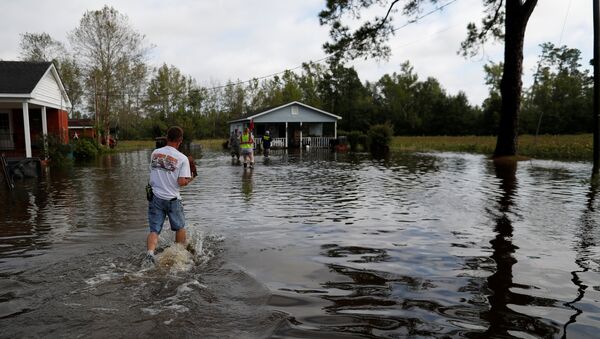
point(307, 245)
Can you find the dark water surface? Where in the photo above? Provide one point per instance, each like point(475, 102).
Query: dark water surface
point(308, 245)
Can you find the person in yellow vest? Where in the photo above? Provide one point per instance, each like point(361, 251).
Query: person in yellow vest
point(247, 144)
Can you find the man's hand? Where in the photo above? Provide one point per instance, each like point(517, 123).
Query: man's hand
point(193, 167)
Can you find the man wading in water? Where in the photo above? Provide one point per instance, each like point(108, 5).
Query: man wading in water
point(169, 170)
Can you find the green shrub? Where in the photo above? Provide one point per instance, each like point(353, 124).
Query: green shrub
point(85, 149)
point(380, 137)
point(58, 153)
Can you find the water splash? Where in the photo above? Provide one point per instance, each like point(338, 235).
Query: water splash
point(175, 258)
point(199, 250)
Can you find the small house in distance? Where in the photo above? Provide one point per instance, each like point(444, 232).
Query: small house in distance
point(292, 125)
point(33, 103)
point(81, 128)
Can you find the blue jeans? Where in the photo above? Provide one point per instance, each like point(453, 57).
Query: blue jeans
point(159, 209)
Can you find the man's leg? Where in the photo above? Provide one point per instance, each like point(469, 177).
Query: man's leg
point(177, 220)
point(152, 241)
point(180, 236)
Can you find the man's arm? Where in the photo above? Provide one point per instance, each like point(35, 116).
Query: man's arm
point(182, 181)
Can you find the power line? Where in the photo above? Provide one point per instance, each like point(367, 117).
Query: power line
point(424, 15)
point(564, 23)
point(415, 20)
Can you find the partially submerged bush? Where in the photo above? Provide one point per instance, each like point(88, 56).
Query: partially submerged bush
point(85, 149)
point(380, 137)
point(58, 153)
point(356, 139)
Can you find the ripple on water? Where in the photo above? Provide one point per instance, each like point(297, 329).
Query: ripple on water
point(309, 244)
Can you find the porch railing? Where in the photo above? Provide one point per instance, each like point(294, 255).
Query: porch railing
point(317, 142)
point(313, 142)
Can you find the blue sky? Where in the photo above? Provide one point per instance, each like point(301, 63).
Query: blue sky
point(216, 41)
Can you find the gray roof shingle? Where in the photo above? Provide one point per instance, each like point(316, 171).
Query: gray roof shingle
point(20, 77)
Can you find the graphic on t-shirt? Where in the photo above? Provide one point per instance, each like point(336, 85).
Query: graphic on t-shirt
point(164, 162)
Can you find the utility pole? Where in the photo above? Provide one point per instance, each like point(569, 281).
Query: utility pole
point(596, 109)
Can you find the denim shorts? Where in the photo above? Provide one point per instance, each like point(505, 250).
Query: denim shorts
point(159, 209)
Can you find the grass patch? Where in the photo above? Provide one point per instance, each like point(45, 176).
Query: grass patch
point(134, 145)
point(211, 144)
point(558, 147)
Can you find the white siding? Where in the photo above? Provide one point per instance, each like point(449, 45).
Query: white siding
point(48, 91)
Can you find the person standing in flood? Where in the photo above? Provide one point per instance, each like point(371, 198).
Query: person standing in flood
point(247, 144)
point(266, 143)
point(169, 170)
point(234, 145)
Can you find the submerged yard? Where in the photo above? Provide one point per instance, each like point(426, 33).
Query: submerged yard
point(308, 244)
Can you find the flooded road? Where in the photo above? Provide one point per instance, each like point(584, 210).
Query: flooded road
point(308, 245)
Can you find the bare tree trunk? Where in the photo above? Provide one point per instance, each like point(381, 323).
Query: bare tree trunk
point(96, 116)
point(517, 15)
point(107, 111)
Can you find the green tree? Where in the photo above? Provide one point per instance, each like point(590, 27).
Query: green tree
point(129, 108)
point(234, 98)
point(344, 95)
point(397, 96)
point(71, 76)
point(492, 104)
point(104, 44)
point(505, 20)
point(560, 99)
point(166, 93)
point(40, 47)
point(312, 74)
point(291, 90)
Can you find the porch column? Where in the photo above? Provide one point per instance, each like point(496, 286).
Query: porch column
point(335, 129)
point(45, 131)
point(286, 134)
point(300, 134)
point(44, 122)
point(26, 129)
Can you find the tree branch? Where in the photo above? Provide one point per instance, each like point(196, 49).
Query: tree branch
point(386, 15)
point(528, 7)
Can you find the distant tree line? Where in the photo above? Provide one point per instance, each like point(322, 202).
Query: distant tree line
point(108, 79)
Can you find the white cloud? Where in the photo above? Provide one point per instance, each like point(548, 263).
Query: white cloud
point(216, 41)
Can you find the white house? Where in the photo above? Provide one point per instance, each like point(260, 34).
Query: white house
point(33, 103)
point(291, 125)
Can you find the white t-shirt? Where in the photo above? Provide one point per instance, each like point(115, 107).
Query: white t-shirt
point(166, 165)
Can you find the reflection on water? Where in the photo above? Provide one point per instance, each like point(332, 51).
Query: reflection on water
point(307, 244)
point(503, 321)
point(247, 183)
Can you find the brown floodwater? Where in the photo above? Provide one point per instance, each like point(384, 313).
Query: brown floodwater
point(307, 245)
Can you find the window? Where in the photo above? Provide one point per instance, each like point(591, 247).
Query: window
point(6, 137)
point(294, 110)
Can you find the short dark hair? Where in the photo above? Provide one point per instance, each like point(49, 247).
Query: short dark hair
point(175, 133)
